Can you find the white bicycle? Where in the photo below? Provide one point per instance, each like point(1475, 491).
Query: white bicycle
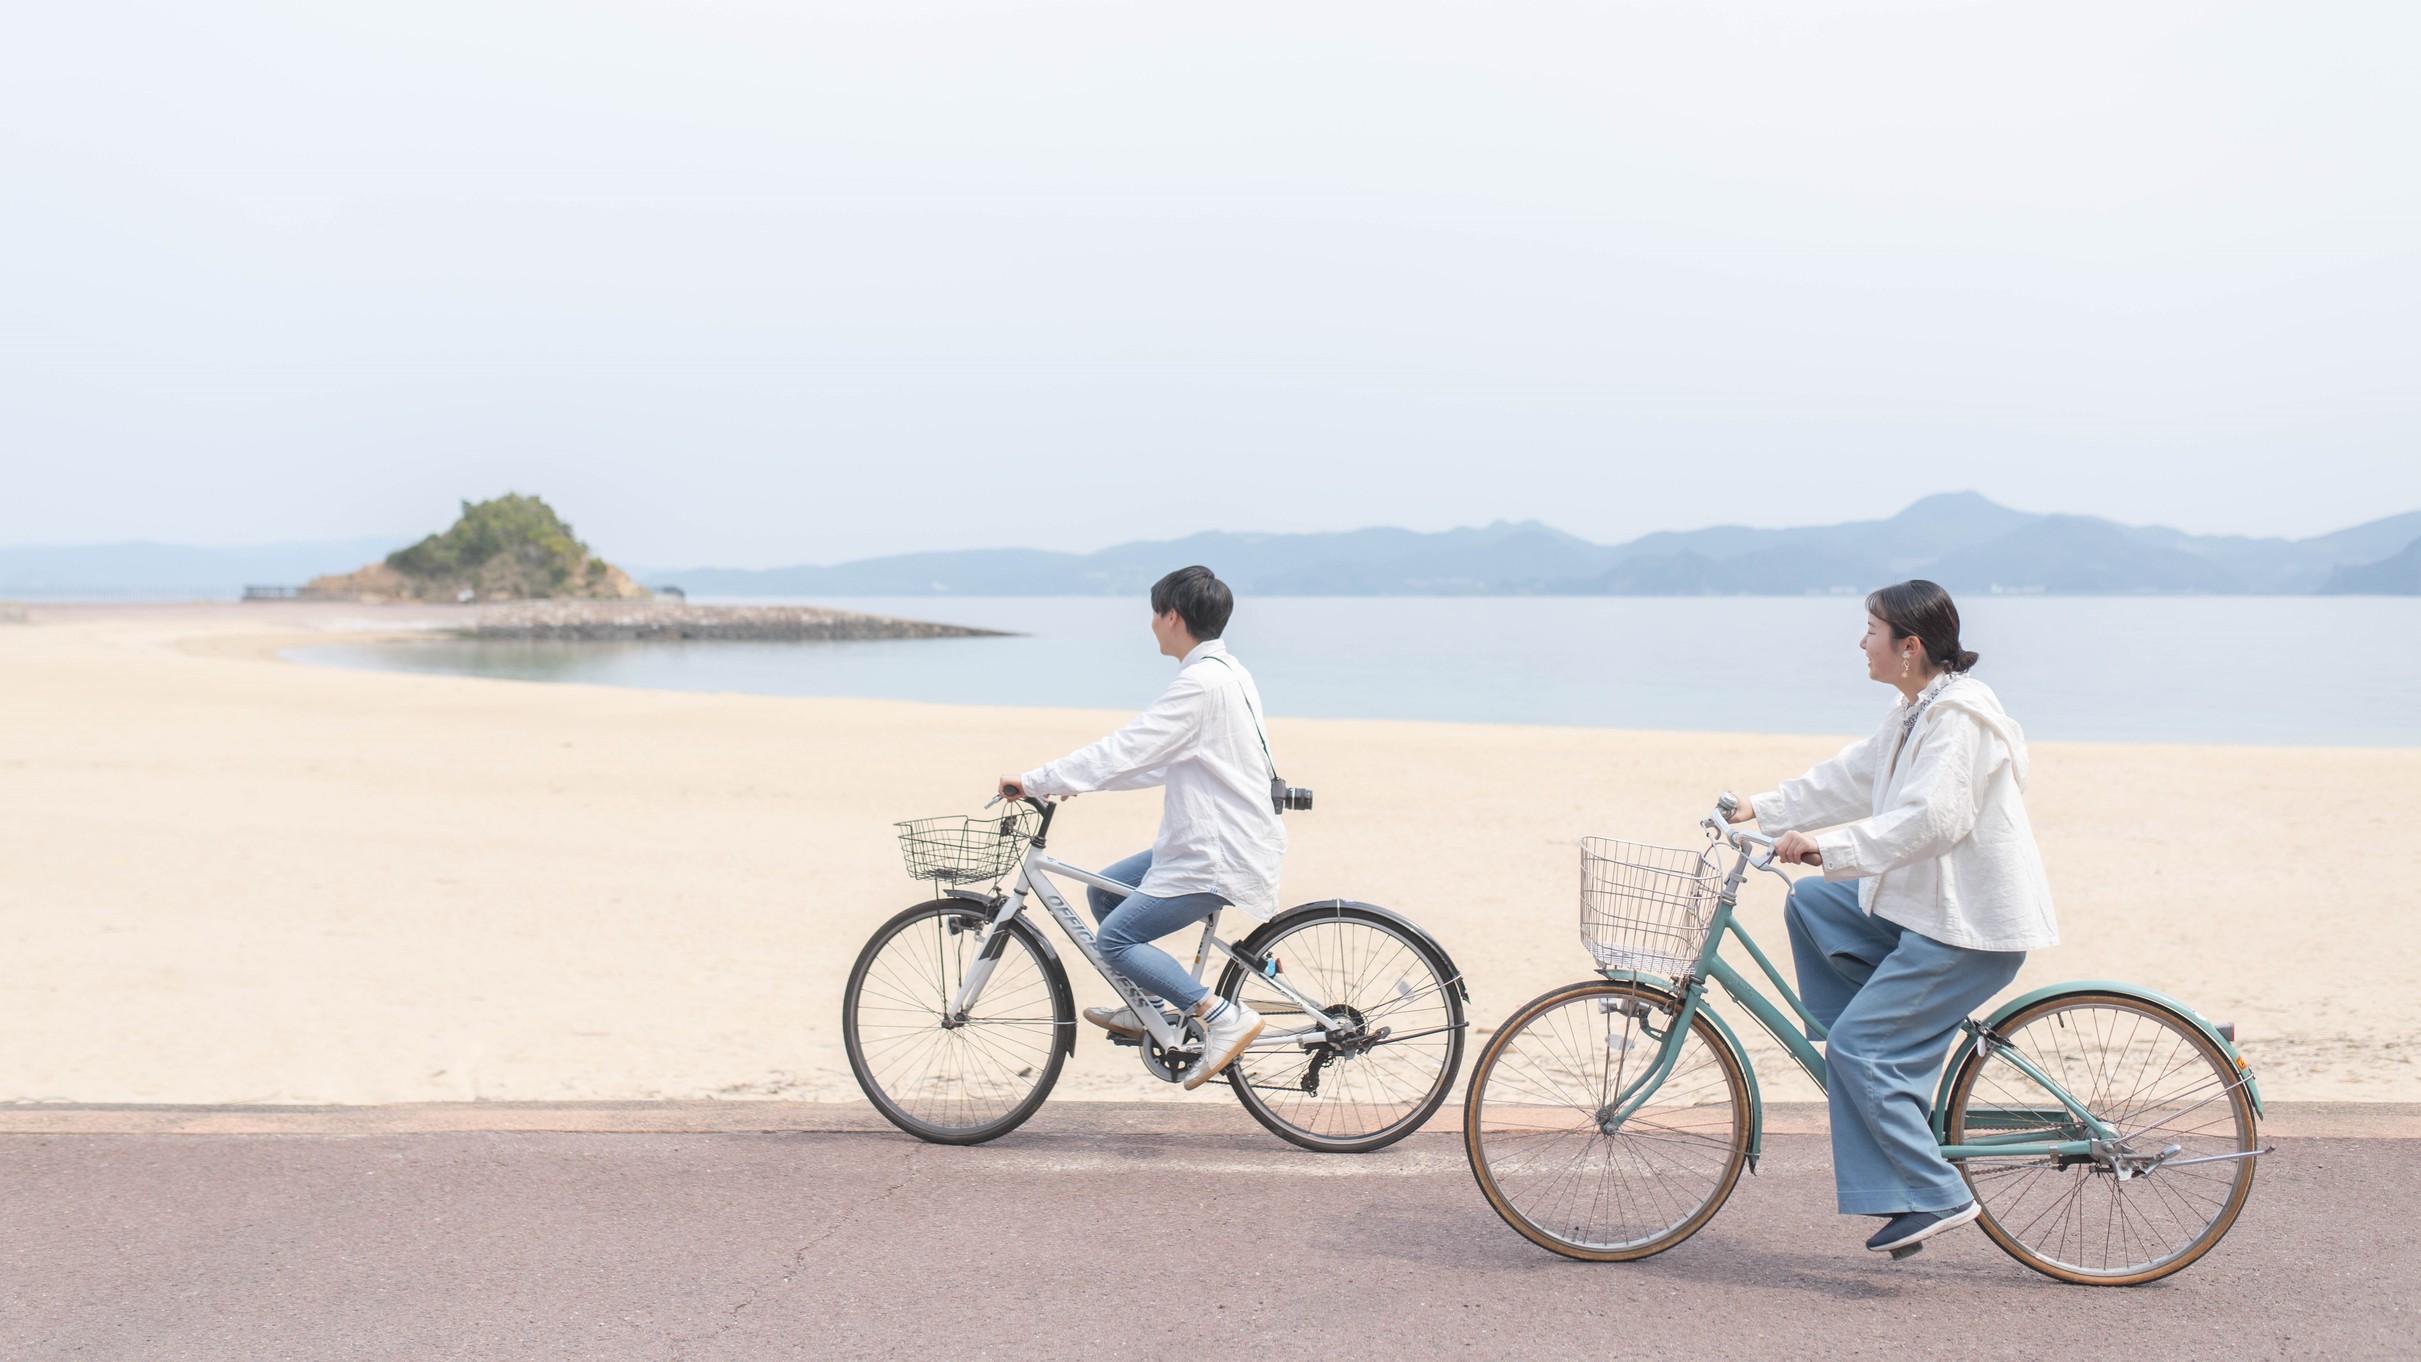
point(958, 1016)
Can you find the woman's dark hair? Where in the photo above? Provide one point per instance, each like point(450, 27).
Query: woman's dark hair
point(1924, 611)
point(1198, 597)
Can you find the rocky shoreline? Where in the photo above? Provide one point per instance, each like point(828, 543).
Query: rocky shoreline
point(611, 621)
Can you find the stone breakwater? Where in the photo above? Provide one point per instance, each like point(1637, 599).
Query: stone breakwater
point(603, 621)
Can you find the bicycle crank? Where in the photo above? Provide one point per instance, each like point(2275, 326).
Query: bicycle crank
point(1171, 1063)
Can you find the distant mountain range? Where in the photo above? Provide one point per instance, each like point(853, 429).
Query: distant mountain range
point(1960, 539)
point(2397, 576)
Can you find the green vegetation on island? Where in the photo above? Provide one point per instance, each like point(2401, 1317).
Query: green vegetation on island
point(510, 548)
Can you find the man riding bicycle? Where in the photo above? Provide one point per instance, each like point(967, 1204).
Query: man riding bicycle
point(1220, 839)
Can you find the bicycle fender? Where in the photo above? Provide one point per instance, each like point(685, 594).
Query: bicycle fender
point(1251, 945)
point(2252, 1088)
point(1756, 1099)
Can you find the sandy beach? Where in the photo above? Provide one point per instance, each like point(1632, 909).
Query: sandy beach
point(229, 878)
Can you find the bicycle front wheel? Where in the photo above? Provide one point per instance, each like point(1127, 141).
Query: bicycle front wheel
point(948, 1079)
point(2185, 1127)
point(1539, 1123)
point(1380, 1055)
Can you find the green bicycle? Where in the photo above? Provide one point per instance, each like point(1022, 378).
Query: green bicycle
point(2109, 1133)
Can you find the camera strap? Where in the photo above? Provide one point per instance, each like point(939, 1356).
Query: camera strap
point(1246, 696)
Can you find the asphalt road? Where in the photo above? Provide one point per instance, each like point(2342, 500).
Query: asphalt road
point(1062, 1241)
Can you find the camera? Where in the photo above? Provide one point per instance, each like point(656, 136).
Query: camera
point(1283, 796)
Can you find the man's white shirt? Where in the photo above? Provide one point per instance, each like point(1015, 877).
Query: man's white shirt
point(1201, 740)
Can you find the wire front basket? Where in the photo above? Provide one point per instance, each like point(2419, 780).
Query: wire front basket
point(964, 850)
point(1646, 908)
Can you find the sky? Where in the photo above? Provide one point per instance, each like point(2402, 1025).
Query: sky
point(753, 284)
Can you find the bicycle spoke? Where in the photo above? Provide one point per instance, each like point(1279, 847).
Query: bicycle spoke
point(951, 1076)
point(2154, 1084)
point(1557, 1173)
point(1367, 977)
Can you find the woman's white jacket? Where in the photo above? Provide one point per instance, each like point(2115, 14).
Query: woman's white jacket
point(1934, 829)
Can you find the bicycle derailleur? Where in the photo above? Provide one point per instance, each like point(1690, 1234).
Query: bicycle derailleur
point(1344, 1034)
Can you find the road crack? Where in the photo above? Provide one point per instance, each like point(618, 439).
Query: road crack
point(909, 1173)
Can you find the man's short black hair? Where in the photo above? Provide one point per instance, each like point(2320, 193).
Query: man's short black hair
point(1198, 597)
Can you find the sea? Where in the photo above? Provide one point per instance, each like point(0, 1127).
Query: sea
point(2340, 671)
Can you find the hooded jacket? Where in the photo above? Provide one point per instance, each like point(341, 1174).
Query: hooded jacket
point(1933, 828)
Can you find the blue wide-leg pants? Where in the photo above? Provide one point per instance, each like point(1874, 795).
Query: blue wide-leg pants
point(1891, 1000)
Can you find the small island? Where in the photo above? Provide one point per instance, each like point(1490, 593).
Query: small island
point(509, 548)
point(523, 574)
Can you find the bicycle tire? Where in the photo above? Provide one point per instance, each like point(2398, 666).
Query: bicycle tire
point(1538, 1091)
point(2151, 1074)
point(1373, 970)
point(982, 1078)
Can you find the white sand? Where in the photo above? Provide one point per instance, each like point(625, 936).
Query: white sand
point(229, 878)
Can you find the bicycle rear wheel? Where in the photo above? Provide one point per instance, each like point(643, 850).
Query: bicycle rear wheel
point(945, 1079)
point(1534, 1123)
point(2171, 1094)
point(1382, 1056)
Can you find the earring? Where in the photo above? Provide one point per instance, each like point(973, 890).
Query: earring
point(1904, 658)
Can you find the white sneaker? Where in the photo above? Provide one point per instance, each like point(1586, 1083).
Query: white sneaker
point(1225, 1032)
point(1118, 1021)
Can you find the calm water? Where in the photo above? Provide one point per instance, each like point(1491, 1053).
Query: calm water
point(2342, 671)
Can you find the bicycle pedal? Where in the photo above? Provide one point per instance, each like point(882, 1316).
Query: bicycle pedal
point(1129, 1042)
point(1906, 1251)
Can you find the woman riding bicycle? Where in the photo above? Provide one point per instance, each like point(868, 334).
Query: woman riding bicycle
point(1220, 840)
point(1932, 894)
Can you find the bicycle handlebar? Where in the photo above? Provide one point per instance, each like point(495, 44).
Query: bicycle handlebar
point(1741, 839)
point(1043, 806)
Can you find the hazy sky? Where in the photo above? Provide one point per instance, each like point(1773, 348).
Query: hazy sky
point(785, 282)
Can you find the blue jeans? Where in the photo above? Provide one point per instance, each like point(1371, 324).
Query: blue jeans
point(1891, 999)
point(1131, 924)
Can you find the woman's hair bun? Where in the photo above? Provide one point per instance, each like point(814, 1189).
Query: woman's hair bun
point(1960, 661)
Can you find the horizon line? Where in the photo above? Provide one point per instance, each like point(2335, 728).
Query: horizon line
point(401, 541)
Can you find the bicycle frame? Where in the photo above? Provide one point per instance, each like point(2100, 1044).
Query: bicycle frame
point(1033, 877)
point(1794, 1038)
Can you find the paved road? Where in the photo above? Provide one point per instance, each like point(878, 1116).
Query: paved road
point(1063, 1241)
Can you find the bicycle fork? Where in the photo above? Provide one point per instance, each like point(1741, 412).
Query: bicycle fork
point(1630, 1098)
point(988, 948)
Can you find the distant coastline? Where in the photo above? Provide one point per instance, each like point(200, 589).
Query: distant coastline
point(1968, 543)
point(417, 623)
point(647, 621)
